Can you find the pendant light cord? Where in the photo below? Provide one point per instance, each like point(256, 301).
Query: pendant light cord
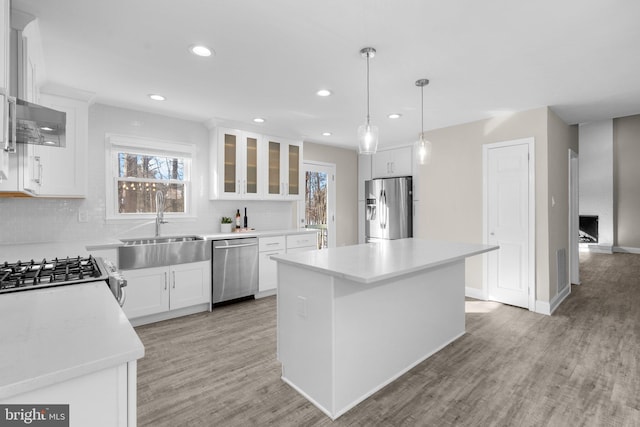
point(368, 117)
point(422, 116)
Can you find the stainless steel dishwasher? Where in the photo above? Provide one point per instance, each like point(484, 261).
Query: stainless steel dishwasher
point(235, 269)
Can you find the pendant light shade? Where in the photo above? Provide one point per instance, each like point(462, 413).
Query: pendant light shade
point(367, 133)
point(423, 146)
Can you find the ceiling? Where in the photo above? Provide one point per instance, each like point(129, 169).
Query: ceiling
point(483, 58)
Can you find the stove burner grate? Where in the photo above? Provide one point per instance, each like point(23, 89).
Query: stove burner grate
point(14, 276)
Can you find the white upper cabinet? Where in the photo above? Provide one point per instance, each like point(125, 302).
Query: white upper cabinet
point(4, 46)
point(4, 87)
point(392, 162)
point(283, 177)
point(236, 166)
point(246, 165)
point(63, 171)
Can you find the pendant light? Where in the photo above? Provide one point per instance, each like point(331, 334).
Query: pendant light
point(367, 134)
point(423, 147)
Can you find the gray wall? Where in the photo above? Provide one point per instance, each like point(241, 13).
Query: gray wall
point(626, 178)
point(451, 191)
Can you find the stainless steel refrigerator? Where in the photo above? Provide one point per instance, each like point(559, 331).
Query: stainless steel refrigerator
point(389, 208)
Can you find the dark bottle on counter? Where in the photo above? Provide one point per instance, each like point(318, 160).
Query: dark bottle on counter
point(238, 219)
point(246, 220)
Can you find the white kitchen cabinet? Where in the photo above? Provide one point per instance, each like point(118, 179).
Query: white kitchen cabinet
point(60, 171)
point(159, 289)
point(302, 242)
point(267, 268)
point(276, 245)
point(238, 167)
point(30, 57)
point(5, 14)
point(39, 170)
point(4, 86)
point(110, 392)
point(392, 162)
point(283, 177)
point(190, 284)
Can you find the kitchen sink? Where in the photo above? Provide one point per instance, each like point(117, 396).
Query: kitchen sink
point(156, 240)
point(162, 251)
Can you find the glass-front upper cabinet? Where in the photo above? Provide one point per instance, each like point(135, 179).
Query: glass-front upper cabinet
point(284, 163)
point(294, 169)
point(238, 165)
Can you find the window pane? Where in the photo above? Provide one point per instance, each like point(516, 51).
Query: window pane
point(140, 197)
point(147, 166)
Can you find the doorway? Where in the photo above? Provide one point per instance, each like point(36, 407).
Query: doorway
point(509, 221)
point(317, 211)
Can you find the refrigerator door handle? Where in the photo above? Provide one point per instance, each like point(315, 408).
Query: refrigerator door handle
point(384, 209)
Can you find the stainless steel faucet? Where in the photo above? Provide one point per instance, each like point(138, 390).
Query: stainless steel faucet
point(159, 211)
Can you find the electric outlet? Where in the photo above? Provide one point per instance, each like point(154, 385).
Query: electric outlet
point(302, 307)
point(83, 215)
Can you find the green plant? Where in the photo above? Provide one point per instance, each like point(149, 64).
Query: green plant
point(226, 220)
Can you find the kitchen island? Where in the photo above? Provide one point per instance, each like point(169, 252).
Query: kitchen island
point(353, 319)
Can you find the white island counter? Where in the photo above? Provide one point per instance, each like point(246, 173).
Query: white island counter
point(353, 319)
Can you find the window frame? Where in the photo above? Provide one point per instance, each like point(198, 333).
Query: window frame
point(146, 146)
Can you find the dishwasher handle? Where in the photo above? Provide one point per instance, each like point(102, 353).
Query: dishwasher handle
point(235, 246)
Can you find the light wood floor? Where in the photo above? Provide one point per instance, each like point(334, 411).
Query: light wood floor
point(580, 366)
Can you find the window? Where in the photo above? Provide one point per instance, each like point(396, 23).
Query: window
point(139, 168)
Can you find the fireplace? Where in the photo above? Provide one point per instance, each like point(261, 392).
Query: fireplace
point(588, 229)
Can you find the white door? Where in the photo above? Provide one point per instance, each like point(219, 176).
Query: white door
point(317, 210)
point(508, 221)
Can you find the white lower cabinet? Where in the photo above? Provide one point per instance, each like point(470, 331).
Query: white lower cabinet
point(302, 242)
point(102, 398)
point(267, 271)
point(276, 245)
point(160, 289)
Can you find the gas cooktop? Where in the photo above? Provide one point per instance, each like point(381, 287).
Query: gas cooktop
point(20, 275)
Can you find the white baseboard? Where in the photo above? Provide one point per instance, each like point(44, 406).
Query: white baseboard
point(543, 307)
point(601, 249)
point(474, 293)
point(626, 249)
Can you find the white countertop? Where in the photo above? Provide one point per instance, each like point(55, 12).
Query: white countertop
point(254, 233)
point(26, 251)
point(54, 334)
point(371, 262)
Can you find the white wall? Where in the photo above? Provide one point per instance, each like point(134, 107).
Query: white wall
point(32, 220)
point(595, 165)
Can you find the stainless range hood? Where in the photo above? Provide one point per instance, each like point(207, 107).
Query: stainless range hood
point(34, 124)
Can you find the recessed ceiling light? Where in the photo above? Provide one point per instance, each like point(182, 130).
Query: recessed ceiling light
point(394, 115)
point(157, 97)
point(326, 133)
point(200, 50)
point(323, 92)
point(259, 120)
point(46, 129)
